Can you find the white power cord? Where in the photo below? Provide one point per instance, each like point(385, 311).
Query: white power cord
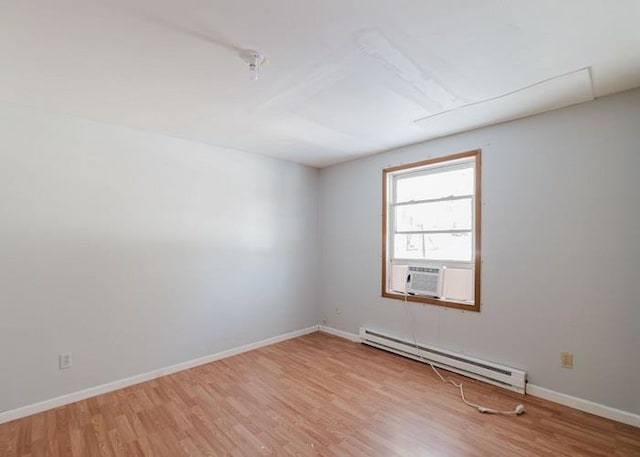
point(518, 410)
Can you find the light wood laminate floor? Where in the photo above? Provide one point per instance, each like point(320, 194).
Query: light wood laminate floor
point(316, 395)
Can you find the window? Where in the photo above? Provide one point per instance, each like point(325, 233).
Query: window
point(431, 231)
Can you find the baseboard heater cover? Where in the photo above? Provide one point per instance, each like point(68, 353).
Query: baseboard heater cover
point(482, 370)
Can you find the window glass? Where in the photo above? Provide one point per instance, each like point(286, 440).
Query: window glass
point(434, 246)
point(435, 185)
point(444, 215)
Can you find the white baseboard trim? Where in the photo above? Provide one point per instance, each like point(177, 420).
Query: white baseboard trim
point(533, 390)
point(340, 333)
point(584, 405)
point(536, 391)
point(24, 411)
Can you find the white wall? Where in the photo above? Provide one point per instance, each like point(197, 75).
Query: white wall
point(561, 254)
point(135, 251)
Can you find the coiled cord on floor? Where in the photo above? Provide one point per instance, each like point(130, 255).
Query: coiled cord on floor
point(518, 410)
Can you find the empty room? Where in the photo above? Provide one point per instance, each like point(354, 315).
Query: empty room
point(319, 228)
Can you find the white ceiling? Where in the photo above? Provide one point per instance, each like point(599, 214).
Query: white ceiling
point(345, 78)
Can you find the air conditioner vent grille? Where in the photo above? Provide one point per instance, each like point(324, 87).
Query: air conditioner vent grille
point(426, 281)
point(425, 269)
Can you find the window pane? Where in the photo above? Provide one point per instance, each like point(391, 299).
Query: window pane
point(434, 185)
point(447, 215)
point(434, 246)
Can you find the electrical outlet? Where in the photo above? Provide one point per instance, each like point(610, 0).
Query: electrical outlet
point(566, 360)
point(64, 360)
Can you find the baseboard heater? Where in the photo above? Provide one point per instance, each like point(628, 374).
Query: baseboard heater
point(492, 373)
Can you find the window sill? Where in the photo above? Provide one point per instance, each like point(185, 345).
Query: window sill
point(432, 301)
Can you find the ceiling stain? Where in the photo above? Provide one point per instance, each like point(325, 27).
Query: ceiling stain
point(375, 44)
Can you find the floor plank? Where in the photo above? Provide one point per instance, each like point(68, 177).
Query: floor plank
point(316, 395)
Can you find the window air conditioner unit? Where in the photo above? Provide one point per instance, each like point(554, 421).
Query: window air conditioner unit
point(425, 281)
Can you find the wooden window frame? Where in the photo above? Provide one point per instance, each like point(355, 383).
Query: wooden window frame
point(477, 260)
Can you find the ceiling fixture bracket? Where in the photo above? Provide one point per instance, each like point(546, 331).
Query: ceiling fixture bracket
point(255, 60)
